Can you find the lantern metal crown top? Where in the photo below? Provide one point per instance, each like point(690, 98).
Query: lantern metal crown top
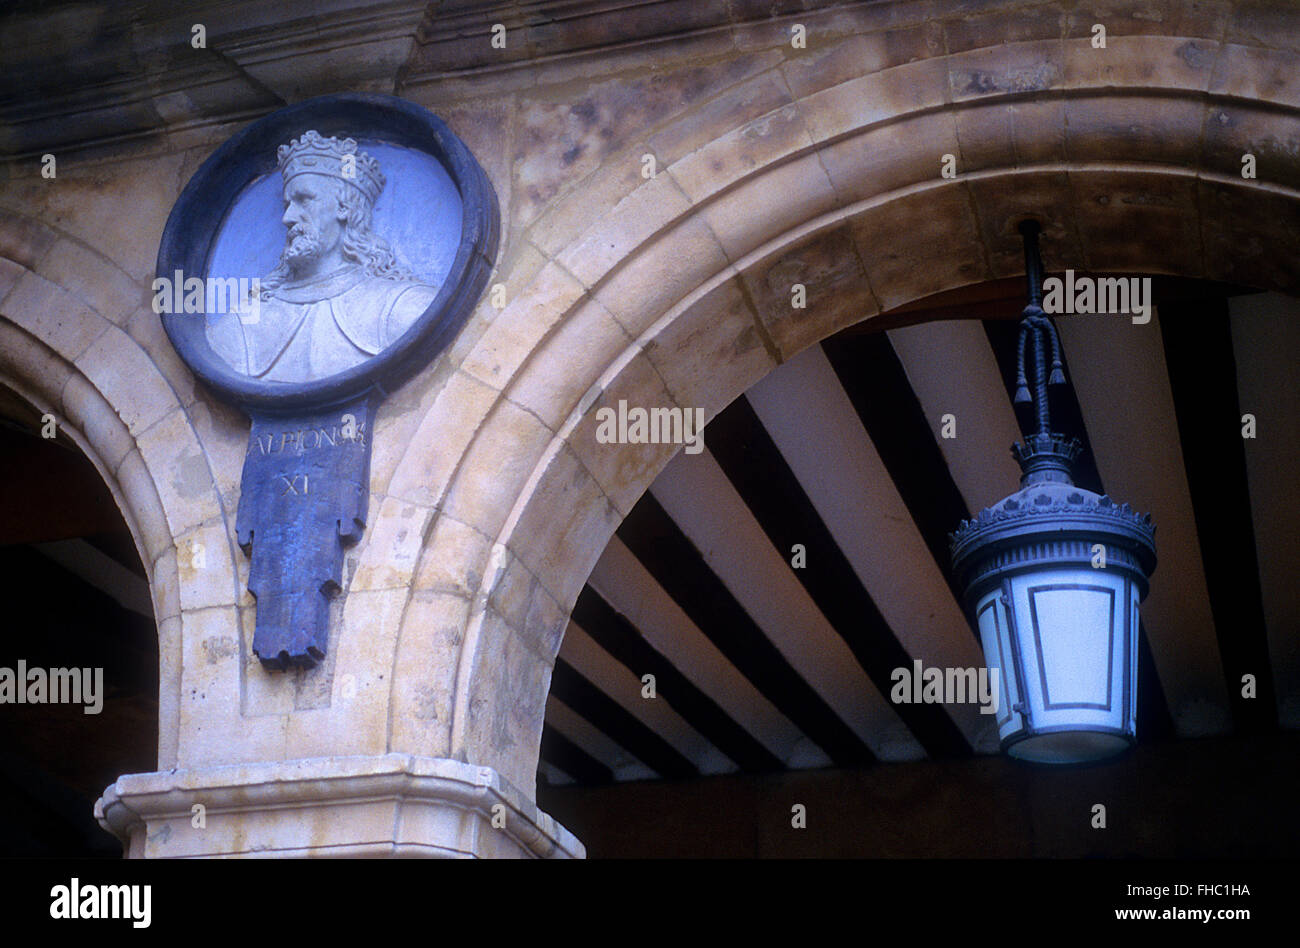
point(1048, 498)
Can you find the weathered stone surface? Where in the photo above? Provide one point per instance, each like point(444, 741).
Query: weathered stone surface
point(828, 266)
point(892, 157)
point(622, 471)
point(211, 727)
point(980, 29)
point(273, 697)
point(578, 212)
point(753, 96)
point(828, 64)
point(223, 433)
point(53, 315)
point(805, 191)
point(1044, 196)
point(126, 377)
point(1266, 75)
point(522, 325)
point(1134, 129)
point(169, 689)
point(551, 386)
point(94, 281)
point(205, 567)
point(31, 366)
point(120, 212)
point(485, 128)
point(459, 561)
point(909, 253)
point(513, 590)
point(1241, 231)
point(392, 546)
point(86, 409)
point(10, 273)
point(422, 475)
point(647, 210)
point(572, 516)
point(1141, 62)
point(24, 240)
point(691, 353)
point(144, 327)
point(424, 687)
point(985, 135)
point(666, 269)
point(355, 719)
point(878, 97)
point(508, 731)
point(183, 478)
point(1274, 140)
point(1111, 208)
point(560, 142)
point(495, 468)
point(726, 160)
point(147, 509)
point(1194, 18)
point(1034, 66)
point(164, 583)
point(1038, 129)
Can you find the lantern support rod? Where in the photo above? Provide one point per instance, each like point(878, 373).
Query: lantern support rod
point(1036, 329)
point(1029, 230)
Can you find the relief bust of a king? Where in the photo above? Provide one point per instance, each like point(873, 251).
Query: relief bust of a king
point(339, 294)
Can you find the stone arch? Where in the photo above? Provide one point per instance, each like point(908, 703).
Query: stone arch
point(675, 295)
point(68, 347)
point(54, 386)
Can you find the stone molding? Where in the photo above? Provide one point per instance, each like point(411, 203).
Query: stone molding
point(389, 805)
point(136, 69)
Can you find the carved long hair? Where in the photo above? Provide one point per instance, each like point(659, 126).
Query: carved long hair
point(358, 243)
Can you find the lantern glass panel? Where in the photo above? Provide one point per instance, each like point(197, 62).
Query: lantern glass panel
point(1068, 644)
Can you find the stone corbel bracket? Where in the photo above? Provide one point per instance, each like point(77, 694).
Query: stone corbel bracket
point(389, 805)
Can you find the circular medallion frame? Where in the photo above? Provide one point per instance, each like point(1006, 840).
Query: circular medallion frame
point(197, 217)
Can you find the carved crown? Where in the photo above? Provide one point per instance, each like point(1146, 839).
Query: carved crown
point(339, 158)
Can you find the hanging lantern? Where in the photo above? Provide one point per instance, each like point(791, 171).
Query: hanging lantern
point(1053, 576)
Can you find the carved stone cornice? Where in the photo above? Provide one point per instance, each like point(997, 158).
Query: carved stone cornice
point(390, 805)
point(100, 74)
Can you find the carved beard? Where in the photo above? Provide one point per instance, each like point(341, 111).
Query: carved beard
point(301, 246)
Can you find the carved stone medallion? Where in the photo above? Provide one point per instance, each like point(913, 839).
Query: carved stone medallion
point(313, 263)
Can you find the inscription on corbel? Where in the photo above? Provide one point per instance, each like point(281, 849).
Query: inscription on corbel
point(304, 494)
